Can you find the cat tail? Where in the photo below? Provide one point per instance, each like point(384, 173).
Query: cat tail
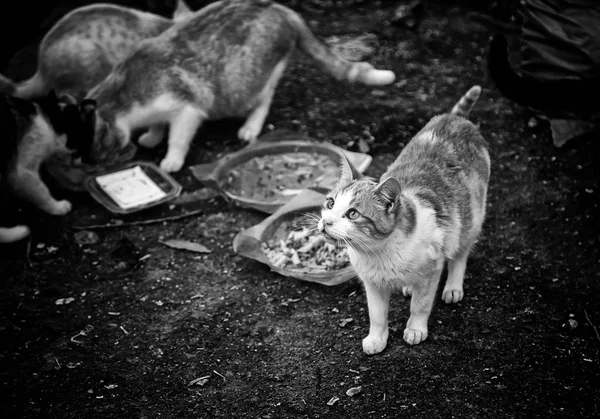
point(182, 11)
point(32, 88)
point(7, 85)
point(465, 104)
point(341, 69)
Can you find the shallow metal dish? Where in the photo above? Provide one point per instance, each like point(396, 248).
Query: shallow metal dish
point(214, 175)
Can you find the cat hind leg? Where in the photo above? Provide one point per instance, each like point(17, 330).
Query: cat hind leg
point(453, 290)
point(13, 234)
point(29, 186)
point(255, 121)
point(183, 127)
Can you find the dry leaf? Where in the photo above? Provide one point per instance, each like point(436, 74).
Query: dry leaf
point(64, 301)
point(345, 322)
point(363, 146)
point(353, 391)
point(187, 245)
point(199, 381)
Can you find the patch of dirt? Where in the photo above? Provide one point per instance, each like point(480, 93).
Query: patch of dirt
point(523, 343)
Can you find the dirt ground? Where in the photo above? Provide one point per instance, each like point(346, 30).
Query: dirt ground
point(523, 343)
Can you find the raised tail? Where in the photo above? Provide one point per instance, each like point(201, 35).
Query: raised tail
point(465, 104)
point(341, 69)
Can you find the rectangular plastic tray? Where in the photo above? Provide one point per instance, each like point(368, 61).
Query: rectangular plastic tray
point(133, 187)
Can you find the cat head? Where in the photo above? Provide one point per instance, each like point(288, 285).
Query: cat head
point(106, 139)
point(360, 211)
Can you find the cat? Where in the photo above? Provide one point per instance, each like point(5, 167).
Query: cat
point(81, 49)
point(428, 207)
point(559, 98)
point(223, 61)
point(33, 132)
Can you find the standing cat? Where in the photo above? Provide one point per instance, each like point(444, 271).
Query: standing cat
point(32, 133)
point(427, 208)
point(223, 61)
point(82, 47)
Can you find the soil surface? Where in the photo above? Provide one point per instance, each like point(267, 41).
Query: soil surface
point(111, 323)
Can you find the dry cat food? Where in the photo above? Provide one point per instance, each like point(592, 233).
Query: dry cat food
point(275, 176)
point(305, 248)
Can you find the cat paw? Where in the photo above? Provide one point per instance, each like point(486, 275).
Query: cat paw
point(414, 336)
point(171, 164)
point(407, 291)
point(150, 139)
point(249, 132)
point(61, 208)
point(372, 345)
point(452, 295)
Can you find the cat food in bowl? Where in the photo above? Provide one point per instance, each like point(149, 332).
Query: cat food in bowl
point(269, 173)
point(287, 241)
point(133, 187)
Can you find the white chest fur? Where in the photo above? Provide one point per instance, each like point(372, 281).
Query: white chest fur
point(401, 260)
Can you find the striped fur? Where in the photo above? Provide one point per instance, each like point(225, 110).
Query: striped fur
point(224, 61)
point(81, 49)
point(427, 208)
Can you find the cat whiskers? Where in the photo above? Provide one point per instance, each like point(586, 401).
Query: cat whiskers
point(362, 244)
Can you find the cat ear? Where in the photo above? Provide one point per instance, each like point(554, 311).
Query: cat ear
point(182, 10)
point(388, 191)
point(348, 172)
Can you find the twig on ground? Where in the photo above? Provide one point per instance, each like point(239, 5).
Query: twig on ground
point(592, 324)
point(138, 223)
point(220, 375)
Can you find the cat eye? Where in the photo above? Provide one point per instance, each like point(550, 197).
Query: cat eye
point(329, 203)
point(352, 214)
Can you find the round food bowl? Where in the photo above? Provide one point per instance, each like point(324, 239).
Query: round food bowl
point(216, 175)
point(249, 242)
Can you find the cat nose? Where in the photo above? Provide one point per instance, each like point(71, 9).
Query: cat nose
point(322, 224)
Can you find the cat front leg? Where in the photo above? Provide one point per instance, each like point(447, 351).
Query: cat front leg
point(153, 136)
point(421, 303)
point(255, 121)
point(183, 127)
point(29, 186)
point(378, 301)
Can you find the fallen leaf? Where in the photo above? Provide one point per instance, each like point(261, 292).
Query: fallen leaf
point(345, 322)
point(353, 391)
point(64, 301)
point(199, 381)
point(363, 146)
point(333, 401)
point(187, 245)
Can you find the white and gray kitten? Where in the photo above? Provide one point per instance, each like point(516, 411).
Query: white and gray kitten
point(427, 208)
point(223, 61)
